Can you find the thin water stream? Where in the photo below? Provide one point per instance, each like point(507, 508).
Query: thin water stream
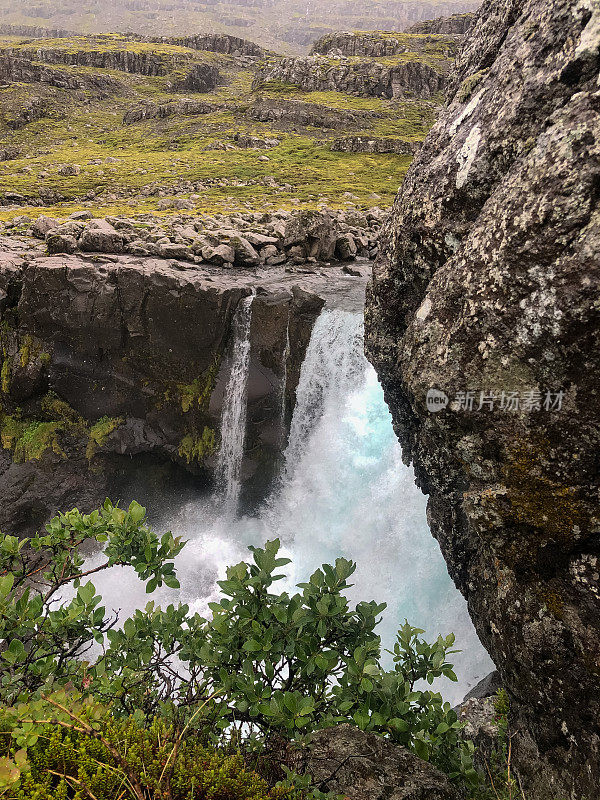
point(233, 422)
point(344, 491)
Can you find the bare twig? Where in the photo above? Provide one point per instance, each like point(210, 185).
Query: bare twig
point(76, 782)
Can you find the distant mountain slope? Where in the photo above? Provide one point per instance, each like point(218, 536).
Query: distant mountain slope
point(284, 25)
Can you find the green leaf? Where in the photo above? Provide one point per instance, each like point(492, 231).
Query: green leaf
point(252, 646)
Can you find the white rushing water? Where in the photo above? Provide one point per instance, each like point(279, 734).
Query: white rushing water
point(344, 491)
point(233, 420)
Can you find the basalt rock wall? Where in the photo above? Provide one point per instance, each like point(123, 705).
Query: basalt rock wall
point(487, 294)
point(218, 43)
point(112, 360)
point(200, 76)
point(456, 25)
point(378, 44)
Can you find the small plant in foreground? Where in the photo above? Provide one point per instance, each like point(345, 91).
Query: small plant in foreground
point(266, 666)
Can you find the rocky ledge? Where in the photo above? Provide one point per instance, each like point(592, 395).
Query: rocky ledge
point(378, 44)
point(457, 25)
point(99, 53)
point(483, 323)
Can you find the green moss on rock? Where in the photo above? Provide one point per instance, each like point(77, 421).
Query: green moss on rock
point(29, 439)
point(100, 432)
point(198, 448)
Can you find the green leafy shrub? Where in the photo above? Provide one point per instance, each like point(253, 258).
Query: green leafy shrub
point(267, 665)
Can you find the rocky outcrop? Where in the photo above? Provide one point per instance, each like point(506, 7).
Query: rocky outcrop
point(217, 43)
point(457, 25)
point(379, 44)
point(360, 77)
point(184, 108)
point(9, 153)
point(295, 112)
point(14, 69)
point(484, 310)
point(193, 76)
point(29, 111)
point(111, 360)
point(365, 766)
point(363, 144)
point(198, 78)
point(34, 32)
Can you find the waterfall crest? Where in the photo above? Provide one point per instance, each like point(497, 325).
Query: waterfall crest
point(233, 418)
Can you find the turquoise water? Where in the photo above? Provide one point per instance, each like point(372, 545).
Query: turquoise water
point(344, 492)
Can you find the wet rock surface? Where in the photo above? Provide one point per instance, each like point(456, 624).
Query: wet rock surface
point(488, 284)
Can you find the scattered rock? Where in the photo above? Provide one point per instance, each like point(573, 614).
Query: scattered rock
point(69, 170)
point(60, 243)
point(221, 255)
point(43, 225)
point(100, 236)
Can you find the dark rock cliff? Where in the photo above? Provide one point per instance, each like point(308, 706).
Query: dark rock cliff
point(489, 284)
point(109, 361)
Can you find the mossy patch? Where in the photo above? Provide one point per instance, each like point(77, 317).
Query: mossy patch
point(198, 393)
point(29, 439)
point(539, 502)
point(553, 602)
point(468, 85)
point(99, 433)
point(6, 374)
point(198, 448)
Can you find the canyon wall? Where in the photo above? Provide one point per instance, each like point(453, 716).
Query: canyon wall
point(111, 363)
point(483, 323)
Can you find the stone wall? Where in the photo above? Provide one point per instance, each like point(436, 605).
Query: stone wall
point(488, 284)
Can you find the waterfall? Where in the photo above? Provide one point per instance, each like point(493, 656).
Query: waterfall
point(286, 355)
point(344, 491)
point(233, 418)
point(333, 362)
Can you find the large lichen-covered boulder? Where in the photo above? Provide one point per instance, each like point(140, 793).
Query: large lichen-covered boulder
point(487, 294)
point(365, 766)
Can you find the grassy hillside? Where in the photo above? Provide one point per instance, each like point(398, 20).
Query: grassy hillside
point(284, 25)
point(76, 151)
